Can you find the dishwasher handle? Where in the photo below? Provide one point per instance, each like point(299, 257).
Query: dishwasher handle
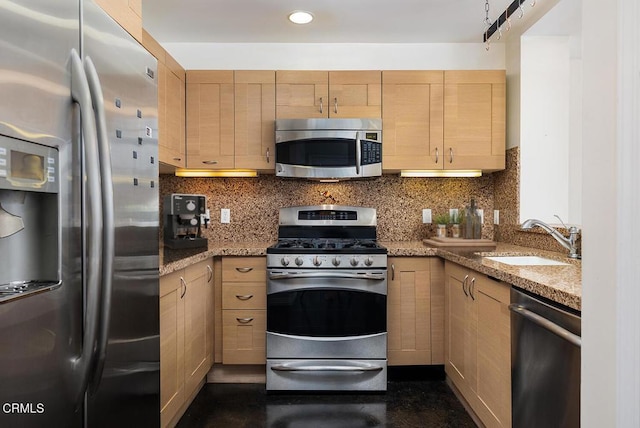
point(546, 324)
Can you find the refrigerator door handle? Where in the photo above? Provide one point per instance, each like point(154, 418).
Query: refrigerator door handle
point(108, 222)
point(83, 363)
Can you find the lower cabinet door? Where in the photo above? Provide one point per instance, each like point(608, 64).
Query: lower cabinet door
point(198, 359)
point(171, 355)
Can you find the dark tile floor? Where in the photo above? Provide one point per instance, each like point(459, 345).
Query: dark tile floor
point(407, 403)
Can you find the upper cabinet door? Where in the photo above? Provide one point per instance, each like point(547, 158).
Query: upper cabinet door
point(171, 145)
point(355, 94)
point(474, 119)
point(412, 117)
point(302, 94)
point(322, 94)
point(255, 113)
point(171, 105)
point(210, 119)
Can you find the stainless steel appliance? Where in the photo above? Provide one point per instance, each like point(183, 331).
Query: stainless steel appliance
point(545, 356)
point(329, 149)
point(79, 333)
point(184, 216)
point(327, 301)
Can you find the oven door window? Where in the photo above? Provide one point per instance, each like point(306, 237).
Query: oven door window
point(325, 152)
point(326, 313)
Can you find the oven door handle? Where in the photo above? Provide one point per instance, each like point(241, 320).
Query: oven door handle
point(334, 368)
point(319, 275)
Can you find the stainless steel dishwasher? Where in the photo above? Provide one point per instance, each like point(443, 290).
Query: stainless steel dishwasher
point(545, 363)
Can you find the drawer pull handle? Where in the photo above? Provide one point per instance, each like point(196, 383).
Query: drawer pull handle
point(210, 273)
point(244, 320)
point(244, 297)
point(244, 269)
point(183, 285)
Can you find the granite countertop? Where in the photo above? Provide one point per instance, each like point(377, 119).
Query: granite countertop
point(562, 284)
point(173, 260)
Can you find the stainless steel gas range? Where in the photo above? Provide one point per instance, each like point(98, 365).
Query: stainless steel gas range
point(327, 301)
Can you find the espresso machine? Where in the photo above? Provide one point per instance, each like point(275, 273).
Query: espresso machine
point(184, 217)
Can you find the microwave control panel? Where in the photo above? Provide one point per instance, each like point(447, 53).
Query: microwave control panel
point(371, 152)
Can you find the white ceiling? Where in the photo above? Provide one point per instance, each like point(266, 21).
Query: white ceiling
point(336, 21)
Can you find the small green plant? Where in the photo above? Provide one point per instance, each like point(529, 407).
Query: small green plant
point(441, 219)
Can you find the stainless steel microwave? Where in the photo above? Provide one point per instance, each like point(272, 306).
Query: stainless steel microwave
point(328, 148)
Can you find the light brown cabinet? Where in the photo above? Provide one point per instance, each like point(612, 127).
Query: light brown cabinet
point(324, 94)
point(171, 105)
point(244, 292)
point(474, 119)
point(127, 13)
point(255, 114)
point(451, 120)
point(412, 117)
point(210, 119)
point(186, 337)
point(415, 311)
point(478, 346)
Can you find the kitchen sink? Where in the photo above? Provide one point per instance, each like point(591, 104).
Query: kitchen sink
point(526, 261)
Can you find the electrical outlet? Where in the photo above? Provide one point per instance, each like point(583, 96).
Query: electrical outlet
point(481, 214)
point(426, 215)
point(496, 216)
point(225, 215)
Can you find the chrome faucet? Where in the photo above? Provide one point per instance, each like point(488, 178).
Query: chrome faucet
point(569, 243)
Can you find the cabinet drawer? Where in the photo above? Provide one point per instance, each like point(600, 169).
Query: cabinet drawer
point(244, 269)
point(244, 336)
point(239, 295)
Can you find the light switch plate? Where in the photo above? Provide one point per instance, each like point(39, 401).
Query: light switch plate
point(496, 216)
point(225, 215)
point(481, 213)
point(426, 215)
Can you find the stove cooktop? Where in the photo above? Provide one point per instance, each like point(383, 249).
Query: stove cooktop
point(326, 246)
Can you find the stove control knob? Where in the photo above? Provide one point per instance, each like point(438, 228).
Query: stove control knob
point(368, 261)
point(336, 261)
point(354, 261)
point(285, 261)
point(317, 261)
point(299, 261)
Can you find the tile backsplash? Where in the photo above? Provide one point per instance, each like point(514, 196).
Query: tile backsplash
point(254, 202)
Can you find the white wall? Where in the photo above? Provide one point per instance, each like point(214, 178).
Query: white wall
point(599, 262)
point(545, 90)
point(610, 269)
point(336, 56)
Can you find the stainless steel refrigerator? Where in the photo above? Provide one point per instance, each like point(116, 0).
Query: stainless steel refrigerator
point(79, 315)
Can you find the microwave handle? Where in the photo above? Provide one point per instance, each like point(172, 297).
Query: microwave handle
point(358, 153)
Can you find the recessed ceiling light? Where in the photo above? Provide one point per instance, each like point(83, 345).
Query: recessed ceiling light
point(300, 17)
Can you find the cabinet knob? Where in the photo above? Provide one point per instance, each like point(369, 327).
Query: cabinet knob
point(210, 162)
